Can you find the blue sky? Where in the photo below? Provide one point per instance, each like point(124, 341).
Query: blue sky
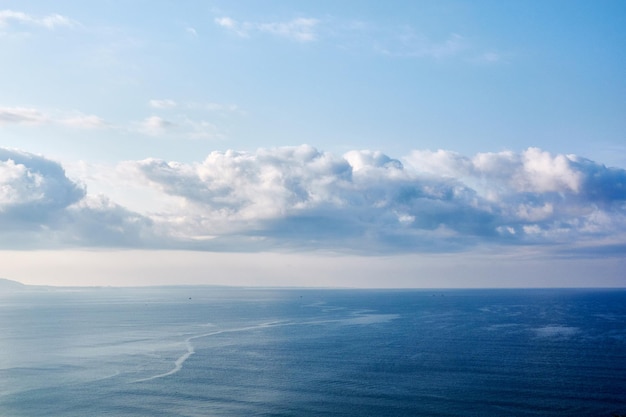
point(313, 143)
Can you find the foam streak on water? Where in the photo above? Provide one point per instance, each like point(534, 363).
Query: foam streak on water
point(178, 364)
point(148, 352)
point(358, 318)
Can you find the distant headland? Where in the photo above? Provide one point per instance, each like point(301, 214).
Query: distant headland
point(7, 284)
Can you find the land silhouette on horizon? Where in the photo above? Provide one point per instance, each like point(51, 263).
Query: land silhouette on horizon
point(11, 284)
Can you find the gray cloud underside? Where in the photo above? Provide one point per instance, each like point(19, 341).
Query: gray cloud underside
point(299, 198)
point(40, 207)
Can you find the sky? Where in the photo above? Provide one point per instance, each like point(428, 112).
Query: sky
point(427, 144)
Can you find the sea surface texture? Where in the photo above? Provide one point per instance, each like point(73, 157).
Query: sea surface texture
point(205, 351)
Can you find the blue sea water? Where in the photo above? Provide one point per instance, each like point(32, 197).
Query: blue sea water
point(206, 351)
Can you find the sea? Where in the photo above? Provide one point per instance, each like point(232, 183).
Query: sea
point(215, 351)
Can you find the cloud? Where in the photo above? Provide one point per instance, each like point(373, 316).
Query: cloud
point(21, 115)
point(155, 126)
point(540, 196)
point(51, 21)
point(298, 29)
point(41, 207)
point(389, 40)
point(84, 122)
point(406, 42)
point(97, 221)
point(532, 171)
point(33, 188)
point(409, 44)
point(214, 107)
point(202, 129)
point(184, 127)
point(162, 104)
point(228, 23)
point(299, 198)
point(31, 116)
point(181, 124)
point(368, 201)
point(490, 57)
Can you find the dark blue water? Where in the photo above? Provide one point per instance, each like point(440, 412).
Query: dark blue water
point(258, 352)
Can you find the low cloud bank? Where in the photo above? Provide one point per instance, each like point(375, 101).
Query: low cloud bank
point(299, 198)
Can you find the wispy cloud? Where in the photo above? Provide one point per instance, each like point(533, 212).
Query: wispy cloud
point(364, 201)
point(490, 57)
point(33, 116)
point(155, 126)
point(298, 29)
point(21, 115)
point(182, 127)
point(394, 41)
point(232, 25)
point(214, 107)
point(184, 119)
point(162, 104)
point(84, 122)
point(51, 21)
point(409, 44)
point(201, 129)
point(301, 29)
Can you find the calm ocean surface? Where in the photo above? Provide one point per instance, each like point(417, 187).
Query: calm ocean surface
point(204, 351)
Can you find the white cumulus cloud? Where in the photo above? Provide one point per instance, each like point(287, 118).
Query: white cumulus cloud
point(41, 207)
point(32, 187)
point(434, 200)
point(300, 198)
